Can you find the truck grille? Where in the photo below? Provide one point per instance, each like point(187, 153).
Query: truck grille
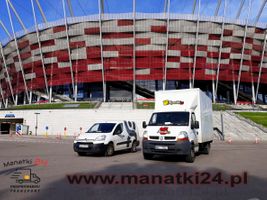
point(169, 138)
point(154, 137)
point(165, 137)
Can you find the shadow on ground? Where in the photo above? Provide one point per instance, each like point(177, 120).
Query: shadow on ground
point(255, 188)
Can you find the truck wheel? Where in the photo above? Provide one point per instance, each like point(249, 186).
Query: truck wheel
point(190, 158)
point(81, 153)
point(206, 149)
point(110, 150)
point(134, 145)
point(147, 156)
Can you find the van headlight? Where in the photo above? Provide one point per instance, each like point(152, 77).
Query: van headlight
point(100, 138)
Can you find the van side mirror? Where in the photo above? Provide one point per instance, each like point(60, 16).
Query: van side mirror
point(117, 132)
point(144, 124)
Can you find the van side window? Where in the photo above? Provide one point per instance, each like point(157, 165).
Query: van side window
point(118, 129)
point(134, 126)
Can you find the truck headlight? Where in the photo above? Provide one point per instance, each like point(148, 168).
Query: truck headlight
point(182, 136)
point(100, 138)
point(75, 141)
point(145, 136)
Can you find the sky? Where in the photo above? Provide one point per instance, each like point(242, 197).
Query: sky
point(53, 10)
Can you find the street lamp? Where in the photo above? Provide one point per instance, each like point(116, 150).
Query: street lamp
point(36, 122)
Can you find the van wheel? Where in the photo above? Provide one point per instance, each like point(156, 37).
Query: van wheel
point(206, 149)
point(81, 153)
point(190, 158)
point(134, 145)
point(110, 150)
point(148, 156)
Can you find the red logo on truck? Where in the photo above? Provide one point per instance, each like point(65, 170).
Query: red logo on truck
point(163, 131)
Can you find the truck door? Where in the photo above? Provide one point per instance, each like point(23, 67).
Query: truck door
point(194, 131)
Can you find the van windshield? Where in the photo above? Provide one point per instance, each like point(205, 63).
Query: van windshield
point(101, 128)
point(170, 119)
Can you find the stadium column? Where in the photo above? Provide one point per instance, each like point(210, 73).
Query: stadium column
point(167, 44)
point(40, 49)
point(261, 64)
point(196, 44)
point(18, 52)
point(7, 73)
point(76, 76)
point(242, 53)
point(134, 55)
point(68, 46)
point(220, 50)
point(101, 10)
point(2, 97)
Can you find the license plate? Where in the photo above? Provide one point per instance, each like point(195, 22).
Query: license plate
point(83, 145)
point(161, 147)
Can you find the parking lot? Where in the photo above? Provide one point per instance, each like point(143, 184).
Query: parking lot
point(231, 171)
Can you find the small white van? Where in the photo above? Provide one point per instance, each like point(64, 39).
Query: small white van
point(108, 137)
point(181, 124)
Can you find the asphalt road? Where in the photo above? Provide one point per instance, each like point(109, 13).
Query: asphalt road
point(231, 171)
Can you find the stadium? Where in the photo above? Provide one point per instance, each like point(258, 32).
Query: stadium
point(124, 51)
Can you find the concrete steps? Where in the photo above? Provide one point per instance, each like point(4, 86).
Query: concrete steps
point(236, 129)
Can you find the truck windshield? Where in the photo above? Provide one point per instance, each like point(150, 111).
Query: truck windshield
point(169, 118)
point(101, 128)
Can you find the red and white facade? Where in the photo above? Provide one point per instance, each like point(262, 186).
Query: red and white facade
point(126, 48)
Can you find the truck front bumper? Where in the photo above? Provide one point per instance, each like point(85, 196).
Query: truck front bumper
point(166, 148)
point(89, 147)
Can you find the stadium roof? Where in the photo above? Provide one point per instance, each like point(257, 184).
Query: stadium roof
point(18, 14)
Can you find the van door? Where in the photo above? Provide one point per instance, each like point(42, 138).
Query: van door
point(119, 137)
point(194, 131)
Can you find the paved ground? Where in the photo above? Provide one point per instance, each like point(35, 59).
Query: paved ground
point(53, 159)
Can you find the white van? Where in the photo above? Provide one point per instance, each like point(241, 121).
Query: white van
point(107, 137)
point(180, 125)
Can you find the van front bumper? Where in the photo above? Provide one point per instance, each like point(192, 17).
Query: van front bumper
point(89, 147)
point(166, 148)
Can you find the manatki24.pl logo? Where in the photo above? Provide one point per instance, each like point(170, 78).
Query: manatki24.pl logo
point(25, 181)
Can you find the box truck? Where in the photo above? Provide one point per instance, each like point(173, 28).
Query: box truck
point(181, 124)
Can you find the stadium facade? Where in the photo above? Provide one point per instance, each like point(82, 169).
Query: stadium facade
point(129, 55)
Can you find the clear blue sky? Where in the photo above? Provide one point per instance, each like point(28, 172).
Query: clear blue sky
point(53, 9)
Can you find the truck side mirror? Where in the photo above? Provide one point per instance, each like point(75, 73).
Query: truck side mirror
point(144, 124)
point(196, 124)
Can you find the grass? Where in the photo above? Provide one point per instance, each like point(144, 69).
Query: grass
point(257, 117)
point(80, 105)
point(145, 105)
point(151, 105)
point(222, 107)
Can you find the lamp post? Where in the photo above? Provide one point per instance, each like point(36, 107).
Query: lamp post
point(36, 122)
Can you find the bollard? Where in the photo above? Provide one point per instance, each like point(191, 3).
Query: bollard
point(229, 140)
point(65, 131)
point(257, 140)
point(222, 127)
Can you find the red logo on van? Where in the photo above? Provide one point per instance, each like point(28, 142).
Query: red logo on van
point(163, 131)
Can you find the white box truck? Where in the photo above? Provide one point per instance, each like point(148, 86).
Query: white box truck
point(181, 124)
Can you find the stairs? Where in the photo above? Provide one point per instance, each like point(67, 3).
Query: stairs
point(237, 129)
